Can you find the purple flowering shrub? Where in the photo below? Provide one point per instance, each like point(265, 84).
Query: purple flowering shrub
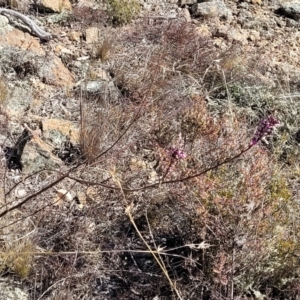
point(265, 128)
point(194, 173)
point(177, 153)
point(240, 206)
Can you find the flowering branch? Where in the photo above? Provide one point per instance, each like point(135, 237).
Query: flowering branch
point(265, 128)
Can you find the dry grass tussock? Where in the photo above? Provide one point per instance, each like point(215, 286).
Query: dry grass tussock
point(169, 200)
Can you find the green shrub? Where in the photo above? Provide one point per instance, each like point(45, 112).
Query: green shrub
point(123, 11)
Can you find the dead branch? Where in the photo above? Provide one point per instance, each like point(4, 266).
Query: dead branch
point(36, 30)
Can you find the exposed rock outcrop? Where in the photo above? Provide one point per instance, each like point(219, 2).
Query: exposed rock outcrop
point(212, 9)
point(54, 5)
point(291, 9)
point(10, 292)
point(53, 72)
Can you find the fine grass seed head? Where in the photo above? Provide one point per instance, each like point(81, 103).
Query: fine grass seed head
point(102, 50)
point(17, 257)
point(3, 91)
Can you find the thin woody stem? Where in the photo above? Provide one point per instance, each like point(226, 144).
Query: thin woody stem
point(82, 181)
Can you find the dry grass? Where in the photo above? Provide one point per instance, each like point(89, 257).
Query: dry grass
point(17, 257)
point(85, 16)
point(170, 84)
point(228, 205)
point(3, 91)
point(102, 50)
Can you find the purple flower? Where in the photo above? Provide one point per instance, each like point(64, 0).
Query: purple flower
point(177, 153)
point(265, 128)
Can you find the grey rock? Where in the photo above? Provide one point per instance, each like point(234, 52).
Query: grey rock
point(52, 71)
point(34, 160)
point(187, 2)
point(212, 9)
point(58, 18)
point(187, 15)
point(292, 23)
point(93, 87)
point(19, 100)
point(243, 13)
point(55, 136)
point(291, 10)
point(101, 89)
point(244, 5)
point(9, 292)
point(232, 34)
point(19, 64)
point(248, 24)
point(3, 139)
point(3, 21)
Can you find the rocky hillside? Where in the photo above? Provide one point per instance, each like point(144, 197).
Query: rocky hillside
point(131, 166)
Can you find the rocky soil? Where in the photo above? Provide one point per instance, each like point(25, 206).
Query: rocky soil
point(53, 88)
point(41, 76)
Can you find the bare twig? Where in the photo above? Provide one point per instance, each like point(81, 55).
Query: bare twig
point(219, 164)
point(47, 187)
point(154, 253)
